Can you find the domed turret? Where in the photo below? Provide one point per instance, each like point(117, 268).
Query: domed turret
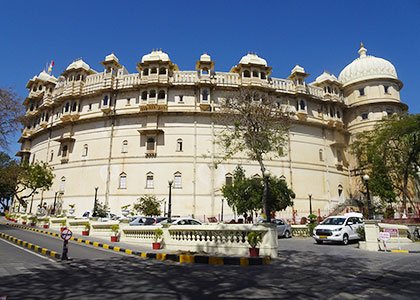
point(254, 59)
point(155, 55)
point(252, 68)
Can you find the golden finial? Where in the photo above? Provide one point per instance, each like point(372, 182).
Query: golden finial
point(361, 45)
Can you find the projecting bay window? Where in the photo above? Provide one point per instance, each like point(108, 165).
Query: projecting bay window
point(149, 138)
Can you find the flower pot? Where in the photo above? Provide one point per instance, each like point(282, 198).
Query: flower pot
point(254, 252)
point(85, 232)
point(32, 224)
point(45, 226)
point(156, 246)
point(15, 221)
point(62, 228)
point(114, 238)
point(23, 223)
point(71, 211)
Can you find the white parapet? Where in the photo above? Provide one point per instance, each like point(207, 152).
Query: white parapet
point(102, 228)
point(227, 239)
point(57, 222)
point(77, 225)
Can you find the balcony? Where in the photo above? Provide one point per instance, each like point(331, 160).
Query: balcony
point(150, 154)
point(70, 117)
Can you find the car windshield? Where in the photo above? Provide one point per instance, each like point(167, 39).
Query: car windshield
point(334, 221)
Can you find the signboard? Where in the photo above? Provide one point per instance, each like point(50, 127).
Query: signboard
point(391, 231)
point(384, 236)
point(66, 234)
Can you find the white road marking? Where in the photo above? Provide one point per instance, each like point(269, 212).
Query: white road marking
point(29, 251)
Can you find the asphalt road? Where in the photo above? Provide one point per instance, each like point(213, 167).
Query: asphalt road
point(304, 270)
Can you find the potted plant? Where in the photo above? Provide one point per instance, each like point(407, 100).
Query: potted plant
point(115, 229)
point(46, 222)
point(63, 225)
point(33, 220)
point(254, 239)
point(87, 228)
point(24, 218)
point(71, 210)
point(158, 236)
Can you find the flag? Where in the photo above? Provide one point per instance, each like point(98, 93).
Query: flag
point(51, 66)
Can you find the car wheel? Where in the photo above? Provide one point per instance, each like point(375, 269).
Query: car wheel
point(287, 234)
point(318, 242)
point(345, 239)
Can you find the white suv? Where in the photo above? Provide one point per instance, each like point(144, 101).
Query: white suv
point(339, 228)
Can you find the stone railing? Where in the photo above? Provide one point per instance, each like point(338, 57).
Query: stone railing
point(229, 239)
point(300, 231)
point(77, 225)
point(56, 222)
point(102, 228)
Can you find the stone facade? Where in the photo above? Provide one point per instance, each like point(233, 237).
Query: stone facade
point(128, 134)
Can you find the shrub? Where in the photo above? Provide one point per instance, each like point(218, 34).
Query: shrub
point(33, 219)
point(361, 231)
point(87, 226)
point(312, 223)
point(63, 223)
point(254, 239)
point(115, 229)
point(158, 234)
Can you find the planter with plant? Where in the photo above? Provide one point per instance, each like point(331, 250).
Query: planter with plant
point(24, 218)
point(71, 210)
point(124, 210)
point(254, 239)
point(158, 239)
point(313, 219)
point(115, 230)
point(63, 225)
point(33, 219)
point(46, 223)
point(87, 228)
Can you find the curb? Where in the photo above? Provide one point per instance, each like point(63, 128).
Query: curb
point(400, 251)
point(30, 246)
point(182, 258)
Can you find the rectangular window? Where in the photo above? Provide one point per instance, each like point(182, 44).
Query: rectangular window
point(229, 180)
point(180, 98)
point(90, 107)
point(386, 89)
point(128, 101)
point(365, 116)
point(389, 111)
point(177, 181)
point(123, 182)
point(149, 181)
point(362, 92)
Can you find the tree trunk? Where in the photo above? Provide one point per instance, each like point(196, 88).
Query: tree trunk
point(265, 192)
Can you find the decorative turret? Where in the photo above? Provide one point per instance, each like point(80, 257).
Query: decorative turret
point(298, 75)
point(111, 64)
point(252, 68)
point(156, 63)
point(205, 64)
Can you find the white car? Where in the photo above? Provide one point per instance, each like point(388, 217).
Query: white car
point(181, 221)
point(339, 228)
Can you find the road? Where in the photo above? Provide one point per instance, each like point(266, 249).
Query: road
point(304, 270)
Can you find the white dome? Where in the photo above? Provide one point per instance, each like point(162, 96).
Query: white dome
point(325, 77)
point(155, 55)
point(44, 76)
point(253, 59)
point(78, 64)
point(205, 57)
point(367, 67)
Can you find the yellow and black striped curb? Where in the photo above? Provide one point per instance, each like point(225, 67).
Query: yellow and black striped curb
point(30, 246)
point(182, 258)
point(400, 251)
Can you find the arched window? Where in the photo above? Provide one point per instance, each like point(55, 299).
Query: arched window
point(339, 156)
point(51, 155)
point(150, 144)
point(362, 92)
point(302, 105)
point(329, 90)
point(149, 180)
point(74, 108)
point(62, 184)
point(106, 100)
point(65, 151)
point(146, 72)
point(125, 146)
point(78, 77)
point(179, 145)
point(67, 107)
point(32, 107)
point(338, 114)
point(247, 74)
point(340, 191)
point(205, 71)
point(177, 180)
point(40, 88)
point(161, 94)
point(153, 71)
point(263, 75)
point(144, 95)
point(321, 155)
point(85, 150)
point(255, 74)
point(162, 71)
point(47, 117)
point(228, 179)
point(205, 95)
point(123, 181)
point(332, 111)
point(152, 94)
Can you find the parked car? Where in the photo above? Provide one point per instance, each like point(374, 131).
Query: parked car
point(184, 221)
point(141, 221)
point(283, 229)
point(160, 219)
point(339, 228)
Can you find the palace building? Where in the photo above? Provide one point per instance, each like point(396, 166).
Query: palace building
point(126, 135)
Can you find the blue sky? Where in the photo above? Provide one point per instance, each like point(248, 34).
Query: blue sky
point(318, 35)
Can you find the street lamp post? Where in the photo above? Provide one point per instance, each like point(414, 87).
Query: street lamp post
point(221, 215)
point(55, 201)
point(95, 202)
point(265, 196)
point(170, 181)
point(310, 203)
point(366, 179)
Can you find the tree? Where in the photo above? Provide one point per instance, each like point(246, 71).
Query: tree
point(390, 154)
point(11, 112)
point(32, 178)
point(9, 170)
point(244, 194)
point(253, 124)
point(148, 205)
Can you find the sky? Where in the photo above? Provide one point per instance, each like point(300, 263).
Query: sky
point(318, 35)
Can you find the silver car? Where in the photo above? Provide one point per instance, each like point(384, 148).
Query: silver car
point(283, 229)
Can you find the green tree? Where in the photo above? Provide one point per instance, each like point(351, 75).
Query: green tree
point(390, 154)
point(11, 112)
point(31, 179)
point(148, 205)
point(254, 125)
point(9, 170)
point(244, 194)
